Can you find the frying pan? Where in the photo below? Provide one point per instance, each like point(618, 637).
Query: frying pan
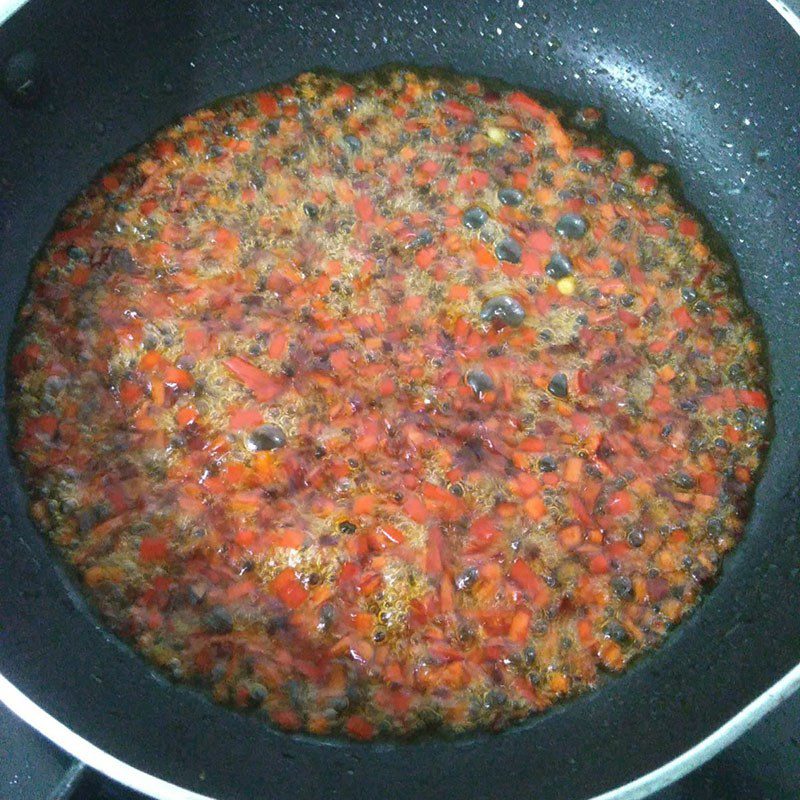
point(709, 88)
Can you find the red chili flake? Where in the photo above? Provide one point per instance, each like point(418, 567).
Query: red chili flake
point(628, 318)
point(689, 227)
point(540, 241)
point(415, 509)
point(360, 728)
point(753, 398)
point(620, 503)
point(268, 105)
point(647, 184)
point(345, 93)
point(260, 383)
point(153, 549)
point(521, 102)
point(425, 257)
point(364, 208)
point(682, 317)
point(288, 589)
point(483, 532)
point(458, 110)
point(591, 154)
point(164, 149)
point(598, 565)
point(472, 181)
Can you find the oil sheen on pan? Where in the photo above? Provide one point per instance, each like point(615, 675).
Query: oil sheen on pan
point(387, 403)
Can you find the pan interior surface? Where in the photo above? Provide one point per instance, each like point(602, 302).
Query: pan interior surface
point(711, 112)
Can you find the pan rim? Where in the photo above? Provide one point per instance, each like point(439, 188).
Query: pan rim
point(643, 786)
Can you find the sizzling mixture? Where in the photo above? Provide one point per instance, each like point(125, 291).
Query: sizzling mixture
point(387, 404)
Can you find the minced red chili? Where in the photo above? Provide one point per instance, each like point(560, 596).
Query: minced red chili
point(387, 403)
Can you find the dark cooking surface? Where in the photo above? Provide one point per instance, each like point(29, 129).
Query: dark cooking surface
point(690, 83)
point(763, 765)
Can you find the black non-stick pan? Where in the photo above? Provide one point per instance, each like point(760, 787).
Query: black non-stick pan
point(710, 88)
